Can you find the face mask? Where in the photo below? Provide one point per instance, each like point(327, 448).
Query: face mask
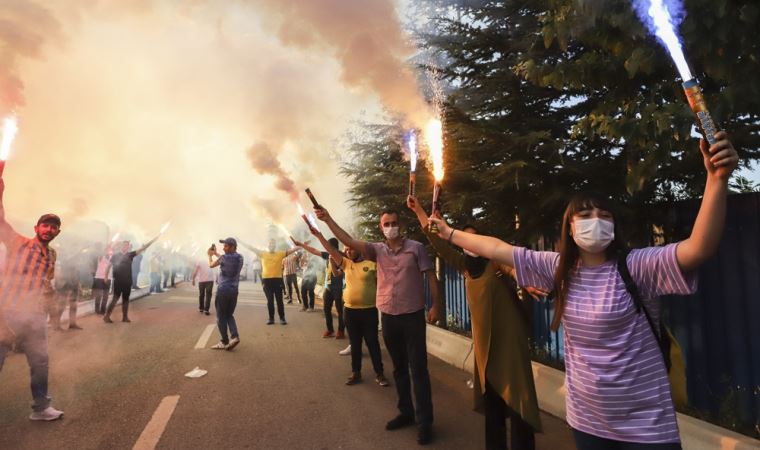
point(594, 235)
point(391, 232)
point(469, 253)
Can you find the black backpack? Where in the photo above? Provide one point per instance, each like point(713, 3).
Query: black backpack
point(660, 333)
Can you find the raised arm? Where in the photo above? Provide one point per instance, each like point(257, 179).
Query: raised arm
point(7, 233)
point(338, 232)
point(147, 244)
point(445, 251)
point(211, 262)
point(720, 161)
point(255, 250)
point(485, 246)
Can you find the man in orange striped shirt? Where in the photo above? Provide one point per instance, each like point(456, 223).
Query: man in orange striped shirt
point(25, 290)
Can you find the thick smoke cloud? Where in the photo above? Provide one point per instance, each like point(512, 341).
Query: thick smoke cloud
point(25, 30)
point(366, 37)
point(139, 112)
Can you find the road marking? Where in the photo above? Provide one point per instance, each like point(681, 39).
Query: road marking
point(152, 433)
point(203, 340)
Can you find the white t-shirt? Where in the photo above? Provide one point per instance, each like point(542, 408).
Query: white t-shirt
point(102, 272)
point(205, 273)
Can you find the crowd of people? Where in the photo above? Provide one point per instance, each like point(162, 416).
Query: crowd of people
point(618, 396)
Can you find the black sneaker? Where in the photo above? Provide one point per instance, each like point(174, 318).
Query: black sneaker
point(126, 320)
point(207, 313)
point(283, 322)
point(355, 378)
point(424, 434)
point(270, 322)
point(107, 319)
point(399, 421)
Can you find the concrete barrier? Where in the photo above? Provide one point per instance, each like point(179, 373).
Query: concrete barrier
point(696, 434)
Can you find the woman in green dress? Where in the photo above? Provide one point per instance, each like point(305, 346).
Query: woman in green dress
point(503, 376)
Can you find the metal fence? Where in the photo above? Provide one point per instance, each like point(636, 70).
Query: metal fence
point(714, 327)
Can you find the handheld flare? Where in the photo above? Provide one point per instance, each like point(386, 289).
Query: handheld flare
point(312, 198)
point(699, 107)
point(10, 128)
point(412, 145)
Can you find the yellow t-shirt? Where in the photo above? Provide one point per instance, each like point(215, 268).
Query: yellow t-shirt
point(271, 264)
point(361, 284)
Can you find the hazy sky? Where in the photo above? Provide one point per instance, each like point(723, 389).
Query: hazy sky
point(139, 112)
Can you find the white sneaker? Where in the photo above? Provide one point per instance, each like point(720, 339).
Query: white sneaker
point(233, 343)
point(219, 346)
point(47, 414)
point(346, 351)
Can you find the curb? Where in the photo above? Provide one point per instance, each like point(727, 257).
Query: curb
point(695, 434)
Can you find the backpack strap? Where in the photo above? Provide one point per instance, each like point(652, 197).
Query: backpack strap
point(630, 286)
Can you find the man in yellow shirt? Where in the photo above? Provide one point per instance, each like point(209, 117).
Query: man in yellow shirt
point(359, 311)
point(271, 277)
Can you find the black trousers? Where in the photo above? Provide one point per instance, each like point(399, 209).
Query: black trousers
point(273, 288)
point(121, 288)
point(307, 292)
point(166, 278)
point(329, 297)
point(292, 280)
point(100, 288)
point(205, 291)
point(362, 325)
point(404, 337)
point(585, 441)
point(497, 413)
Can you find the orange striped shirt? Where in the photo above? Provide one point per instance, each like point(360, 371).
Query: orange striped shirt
point(26, 281)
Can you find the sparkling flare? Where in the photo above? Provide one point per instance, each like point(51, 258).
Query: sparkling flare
point(662, 22)
point(412, 144)
point(10, 128)
point(313, 221)
point(116, 237)
point(165, 227)
point(434, 140)
point(283, 229)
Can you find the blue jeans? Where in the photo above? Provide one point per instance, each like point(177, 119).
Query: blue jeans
point(31, 338)
point(225, 303)
point(155, 282)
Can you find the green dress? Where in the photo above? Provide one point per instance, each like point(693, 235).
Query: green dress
point(499, 335)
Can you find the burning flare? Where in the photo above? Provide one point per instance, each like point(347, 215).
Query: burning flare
point(412, 144)
point(434, 140)
point(165, 227)
point(661, 22)
point(116, 237)
point(283, 229)
point(10, 128)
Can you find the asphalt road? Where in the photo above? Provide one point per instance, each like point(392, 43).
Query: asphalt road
point(281, 388)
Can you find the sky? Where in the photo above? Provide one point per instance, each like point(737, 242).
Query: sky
point(211, 114)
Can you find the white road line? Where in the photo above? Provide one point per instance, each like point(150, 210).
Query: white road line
point(203, 340)
point(152, 433)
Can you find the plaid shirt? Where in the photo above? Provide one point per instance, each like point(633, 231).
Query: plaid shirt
point(290, 264)
point(26, 282)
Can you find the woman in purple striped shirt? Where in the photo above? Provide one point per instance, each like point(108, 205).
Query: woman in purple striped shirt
point(618, 395)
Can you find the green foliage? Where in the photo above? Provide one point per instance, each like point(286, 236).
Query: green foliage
point(549, 97)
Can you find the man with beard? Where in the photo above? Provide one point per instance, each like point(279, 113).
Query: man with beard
point(25, 290)
point(230, 264)
point(122, 279)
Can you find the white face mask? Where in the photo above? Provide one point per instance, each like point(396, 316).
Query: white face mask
point(593, 235)
point(469, 253)
point(391, 232)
